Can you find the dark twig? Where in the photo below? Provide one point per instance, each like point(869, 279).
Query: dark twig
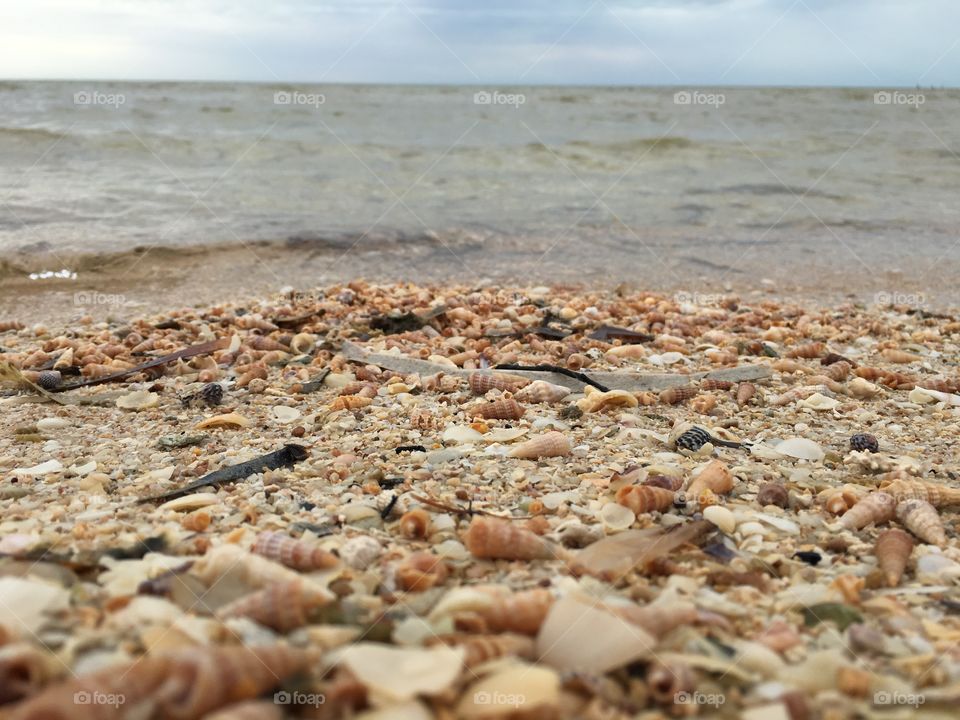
point(585, 379)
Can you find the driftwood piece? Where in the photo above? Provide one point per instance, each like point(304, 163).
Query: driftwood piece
point(630, 381)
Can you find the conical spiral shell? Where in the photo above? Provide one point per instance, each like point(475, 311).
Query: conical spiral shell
point(875, 508)
point(541, 391)
point(675, 395)
point(350, 402)
point(508, 409)
point(838, 371)
point(745, 392)
point(282, 607)
point(899, 356)
point(183, 685)
point(643, 498)
point(551, 444)
point(715, 476)
point(252, 570)
point(936, 495)
point(297, 554)
point(421, 571)
point(809, 351)
point(710, 384)
point(500, 539)
point(520, 612)
point(596, 401)
point(922, 519)
point(892, 550)
point(658, 620)
point(484, 648)
point(481, 383)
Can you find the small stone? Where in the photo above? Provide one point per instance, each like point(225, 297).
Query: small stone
point(864, 442)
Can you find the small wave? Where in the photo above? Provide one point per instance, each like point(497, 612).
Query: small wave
point(26, 133)
point(670, 142)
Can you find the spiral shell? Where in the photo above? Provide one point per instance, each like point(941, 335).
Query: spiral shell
point(922, 519)
point(709, 384)
point(676, 395)
point(541, 391)
point(703, 404)
point(899, 356)
point(255, 322)
point(185, 684)
point(350, 402)
point(714, 476)
point(945, 385)
point(773, 494)
point(508, 409)
point(667, 482)
point(875, 508)
point(808, 352)
point(196, 521)
point(838, 371)
point(24, 669)
point(297, 554)
point(667, 681)
point(482, 382)
point(283, 606)
point(249, 569)
point(421, 571)
point(7, 325)
point(520, 612)
point(255, 372)
point(415, 524)
point(303, 343)
point(551, 444)
point(479, 649)
point(500, 539)
point(643, 498)
point(838, 500)
point(594, 400)
point(94, 371)
point(658, 620)
point(892, 550)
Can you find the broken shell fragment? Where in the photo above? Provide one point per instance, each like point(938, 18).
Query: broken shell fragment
point(551, 444)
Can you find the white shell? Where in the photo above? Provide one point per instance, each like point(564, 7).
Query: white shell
point(52, 424)
point(46, 468)
point(721, 517)
point(395, 674)
point(616, 517)
point(819, 402)
point(460, 434)
point(138, 400)
point(190, 502)
point(285, 414)
point(801, 448)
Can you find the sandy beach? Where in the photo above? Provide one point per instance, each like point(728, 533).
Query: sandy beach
point(735, 506)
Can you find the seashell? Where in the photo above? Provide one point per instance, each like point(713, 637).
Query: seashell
point(745, 392)
point(196, 521)
point(254, 571)
point(596, 401)
point(819, 402)
point(551, 444)
point(703, 404)
point(541, 391)
point(892, 550)
point(854, 682)
point(281, 606)
point(249, 710)
point(397, 675)
point(415, 524)
point(520, 612)
point(8, 325)
point(508, 409)
point(616, 517)
point(297, 554)
point(421, 571)
point(875, 508)
point(862, 389)
point(675, 395)
point(256, 372)
point(227, 420)
point(303, 343)
point(944, 385)
point(358, 387)
point(500, 539)
point(185, 684)
point(850, 587)
point(481, 382)
point(646, 398)
point(658, 619)
point(801, 449)
point(839, 500)
point(721, 517)
point(936, 495)
point(714, 476)
point(25, 669)
point(65, 360)
point(838, 371)
point(710, 384)
point(864, 442)
point(95, 371)
point(626, 351)
point(139, 400)
point(667, 482)
point(808, 352)
point(643, 499)
point(668, 681)
point(721, 357)
point(350, 402)
point(479, 649)
point(899, 356)
point(773, 494)
point(922, 519)
point(255, 322)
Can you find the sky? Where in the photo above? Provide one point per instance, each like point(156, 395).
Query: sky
point(876, 43)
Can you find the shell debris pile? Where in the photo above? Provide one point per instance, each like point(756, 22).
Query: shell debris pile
point(653, 508)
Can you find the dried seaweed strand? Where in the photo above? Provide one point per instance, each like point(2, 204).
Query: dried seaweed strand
point(587, 380)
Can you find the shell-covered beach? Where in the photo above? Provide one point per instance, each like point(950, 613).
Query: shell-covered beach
point(390, 500)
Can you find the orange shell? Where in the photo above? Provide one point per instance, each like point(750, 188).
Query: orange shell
point(415, 524)
point(421, 571)
point(551, 444)
point(710, 384)
point(282, 607)
point(508, 409)
point(875, 508)
point(500, 539)
point(922, 519)
point(892, 549)
point(809, 351)
point(8, 325)
point(936, 495)
point(745, 392)
point(520, 612)
point(675, 395)
point(481, 382)
point(25, 669)
point(644, 498)
point(716, 476)
point(197, 521)
point(899, 356)
point(296, 554)
point(838, 371)
point(350, 402)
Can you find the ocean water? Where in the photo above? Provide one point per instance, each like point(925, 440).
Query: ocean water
point(98, 167)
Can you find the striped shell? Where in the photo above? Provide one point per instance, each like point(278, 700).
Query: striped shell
point(186, 684)
point(508, 409)
point(715, 476)
point(500, 539)
point(357, 387)
point(809, 351)
point(922, 519)
point(899, 356)
point(875, 508)
point(481, 383)
point(282, 607)
point(252, 570)
point(479, 649)
point(936, 495)
point(838, 371)
point(551, 444)
point(520, 612)
point(709, 384)
point(946, 385)
point(541, 391)
point(297, 554)
point(596, 401)
point(7, 325)
point(892, 550)
point(350, 402)
point(675, 395)
point(421, 571)
point(643, 498)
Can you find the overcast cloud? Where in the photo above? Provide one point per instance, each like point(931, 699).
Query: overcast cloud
point(765, 42)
